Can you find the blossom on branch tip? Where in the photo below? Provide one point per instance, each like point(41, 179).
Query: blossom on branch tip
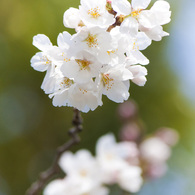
point(104, 55)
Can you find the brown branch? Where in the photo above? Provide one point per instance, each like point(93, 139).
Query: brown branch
point(117, 23)
point(47, 175)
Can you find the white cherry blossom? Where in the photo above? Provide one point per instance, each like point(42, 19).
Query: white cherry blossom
point(103, 55)
point(94, 13)
point(114, 82)
point(134, 16)
point(41, 60)
point(113, 159)
point(94, 40)
point(134, 55)
point(74, 165)
point(73, 186)
point(72, 18)
point(85, 97)
point(82, 69)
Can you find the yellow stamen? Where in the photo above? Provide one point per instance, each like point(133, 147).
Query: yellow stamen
point(94, 12)
point(83, 91)
point(47, 61)
point(136, 13)
point(112, 51)
point(135, 47)
point(107, 81)
point(66, 82)
point(83, 173)
point(65, 58)
point(84, 64)
point(91, 40)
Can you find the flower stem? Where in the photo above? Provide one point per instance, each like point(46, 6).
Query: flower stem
point(45, 176)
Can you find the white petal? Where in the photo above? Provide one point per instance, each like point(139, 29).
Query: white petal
point(147, 19)
point(140, 81)
point(105, 142)
point(71, 18)
point(56, 187)
point(63, 40)
point(118, 92)
point(126, 75)
point(83, 76)
point(130, 179)
point(42, 42)
point(138, 70)
point(129, 26)
point(140, 4)
point(70, 69)
point(61, 99)
point(140, 58)
point(40, 62)
point(156, 33)
point(49, 81)
point(143, 41)
point(66, 162)
point(161, 10)
point(121, 7)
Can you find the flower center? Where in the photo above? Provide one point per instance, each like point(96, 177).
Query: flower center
point(83, 173)
point(83, 64)
point(135, 13)
point(112, 51)
point(135, 46)
point(46, 60)
point(65, 58)
point(107, 81)
point(91, 40)
point(66, 82)
point(83, 91)
point(94, 12)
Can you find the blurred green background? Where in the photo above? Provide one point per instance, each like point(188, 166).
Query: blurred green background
point(31, 128)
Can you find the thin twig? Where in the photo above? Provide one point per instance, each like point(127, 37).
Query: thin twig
point(45, 176)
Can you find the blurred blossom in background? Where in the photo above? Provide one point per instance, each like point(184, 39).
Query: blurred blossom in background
point(31, 128)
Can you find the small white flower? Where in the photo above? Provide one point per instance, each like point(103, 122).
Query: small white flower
point(75, 164)
point(83, 168)
point(73, 186)
point(82, 68)
point(41, 60)
point(116, 55)
point(94, 40)
point(114, 82)
point(85, 97)
point(136, 17)
point(134, 55)
point(72, 18)
point(94, 13)
point(139, 74)
point(113, 159)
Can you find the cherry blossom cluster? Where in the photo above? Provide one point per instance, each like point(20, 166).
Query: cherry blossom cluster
point(124, 164)
point(104, 54)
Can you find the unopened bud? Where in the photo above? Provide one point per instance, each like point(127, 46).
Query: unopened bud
point(130, 132)
point(127, 110)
